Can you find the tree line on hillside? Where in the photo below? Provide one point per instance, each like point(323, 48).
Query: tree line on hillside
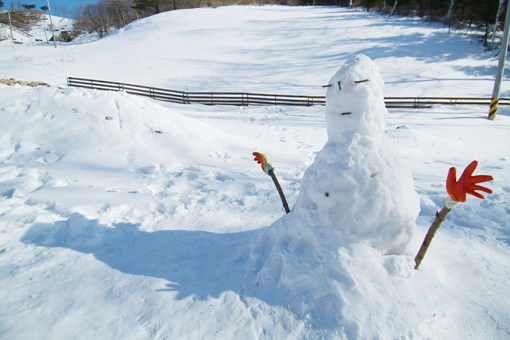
point(482, 14)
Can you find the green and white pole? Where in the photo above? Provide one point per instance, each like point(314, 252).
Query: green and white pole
point(501, 66)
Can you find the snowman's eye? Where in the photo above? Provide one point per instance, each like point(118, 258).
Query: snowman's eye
point(339, 85)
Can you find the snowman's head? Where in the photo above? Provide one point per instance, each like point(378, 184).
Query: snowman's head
point(355, 100)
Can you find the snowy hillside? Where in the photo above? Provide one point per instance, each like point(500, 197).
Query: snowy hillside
point(123, 217)
point(42, 29)
point(35, 28)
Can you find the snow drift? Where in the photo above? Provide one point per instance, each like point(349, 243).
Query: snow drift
point(121, 217)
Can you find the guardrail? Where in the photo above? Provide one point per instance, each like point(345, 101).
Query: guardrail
point(245, 99)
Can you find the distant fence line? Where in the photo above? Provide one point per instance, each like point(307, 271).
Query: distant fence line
point(245, 99)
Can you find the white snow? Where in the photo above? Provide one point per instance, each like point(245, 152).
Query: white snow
point(358, 185)
point(123, 217)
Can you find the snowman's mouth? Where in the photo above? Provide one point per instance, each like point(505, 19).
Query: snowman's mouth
point(346, 113)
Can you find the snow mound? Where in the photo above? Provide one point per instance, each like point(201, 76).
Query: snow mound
point(126, 130)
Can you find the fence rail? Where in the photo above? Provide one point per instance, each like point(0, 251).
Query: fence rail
point(207, 98)
point(245, 99)
point(420, 102)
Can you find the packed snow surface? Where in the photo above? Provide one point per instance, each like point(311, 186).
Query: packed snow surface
point(127, 218)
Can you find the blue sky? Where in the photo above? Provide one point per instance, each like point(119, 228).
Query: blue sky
point(56, 5)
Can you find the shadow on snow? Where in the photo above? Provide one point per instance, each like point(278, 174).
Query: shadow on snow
point(279, 269)
point(196, 263)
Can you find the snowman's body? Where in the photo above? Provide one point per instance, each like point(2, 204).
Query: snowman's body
point(357, 187)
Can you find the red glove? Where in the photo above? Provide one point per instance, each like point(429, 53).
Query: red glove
point(263, 161)
point(466, 183)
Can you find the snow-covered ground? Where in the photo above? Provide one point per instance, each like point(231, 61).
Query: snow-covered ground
point(42, 31)
point(123, 217)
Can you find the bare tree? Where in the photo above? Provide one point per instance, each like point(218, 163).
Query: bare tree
point(394, 7)
point(104, 16)
point(120, 13)
point(450, 8)
point(496, 24)
point(153, 5)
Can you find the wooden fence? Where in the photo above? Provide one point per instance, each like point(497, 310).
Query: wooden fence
point(245, 99)
point(207, 98)
point(426, 102)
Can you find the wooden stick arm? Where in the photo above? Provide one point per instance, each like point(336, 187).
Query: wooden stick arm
point(440, 217)
point(280, 191)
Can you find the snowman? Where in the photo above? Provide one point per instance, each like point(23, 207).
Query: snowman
point(358, 188)
point(356, 198)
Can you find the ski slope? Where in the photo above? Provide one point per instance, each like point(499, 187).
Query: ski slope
point(123, 217)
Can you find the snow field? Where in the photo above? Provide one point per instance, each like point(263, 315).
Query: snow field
point(121, 217)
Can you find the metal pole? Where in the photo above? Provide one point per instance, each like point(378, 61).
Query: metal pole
point(10, 24)
point(51, 23)
point(501, 66)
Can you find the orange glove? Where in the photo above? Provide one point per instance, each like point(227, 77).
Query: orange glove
point(261, 159)
point(466, 183)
